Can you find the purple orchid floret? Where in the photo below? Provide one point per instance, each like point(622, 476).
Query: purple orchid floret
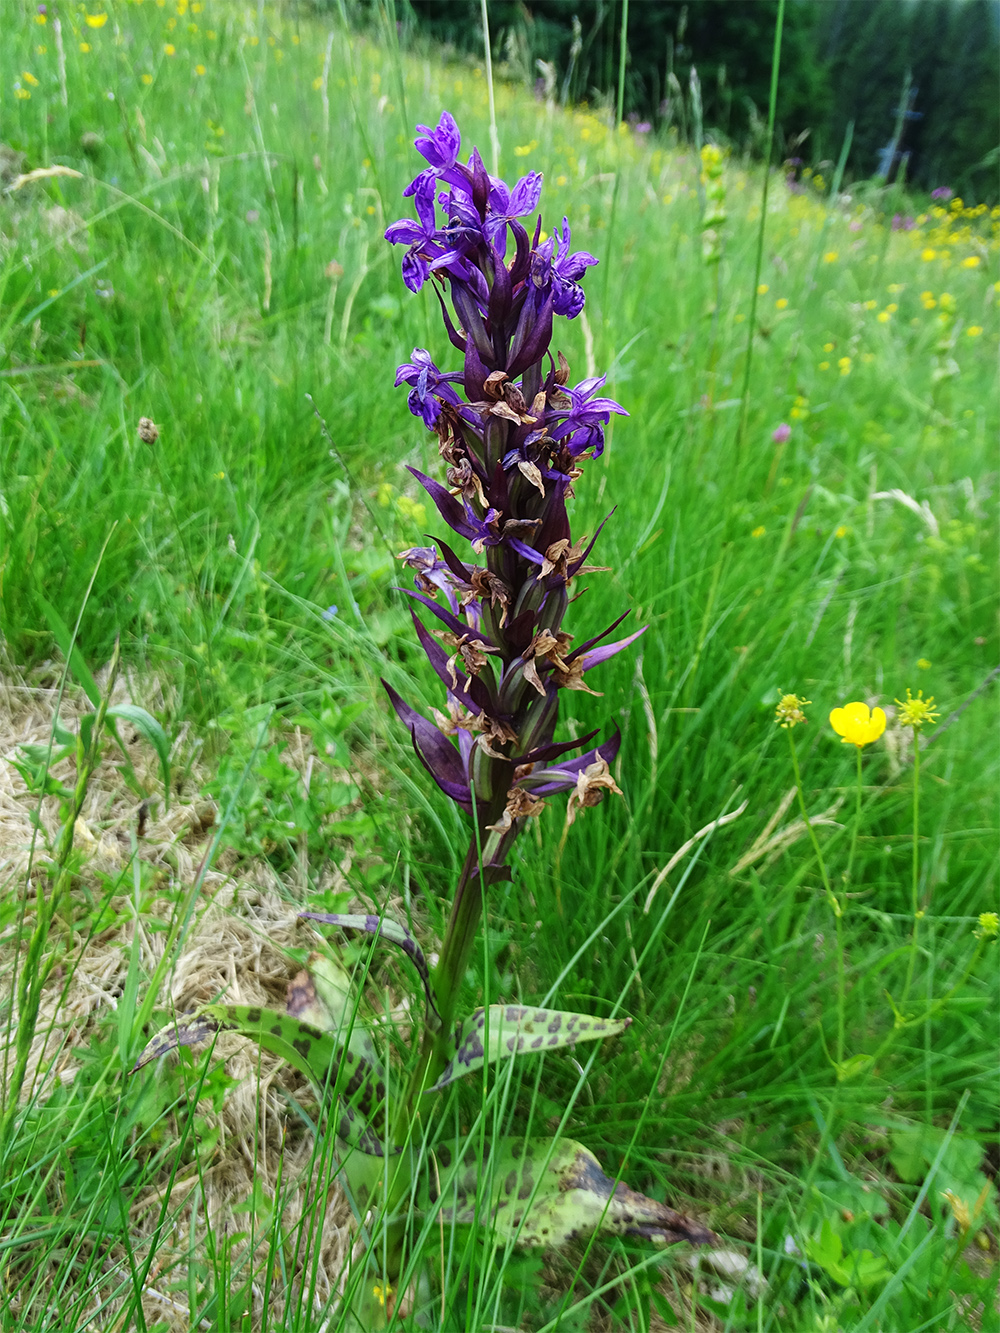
point(581, 425)
point(439, 146)
point(567, 270)
point(428, 387)
point(512, 435)
point(506, 205)
point(431, 573)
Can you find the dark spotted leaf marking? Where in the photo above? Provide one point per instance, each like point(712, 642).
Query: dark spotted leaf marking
point(383, 927)
point(323, 997)
point(516, 1030)
point(546, 1192)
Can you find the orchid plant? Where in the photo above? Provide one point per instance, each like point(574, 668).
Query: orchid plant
point(513, 434)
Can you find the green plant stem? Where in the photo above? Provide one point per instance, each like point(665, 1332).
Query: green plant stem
point(915, 885)
point(857, 821)
point(832, 899)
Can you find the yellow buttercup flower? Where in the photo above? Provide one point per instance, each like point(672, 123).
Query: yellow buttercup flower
point(972, 261)
point(96, 20)
point(915, 712)
point(857, 724)
point(789, 712)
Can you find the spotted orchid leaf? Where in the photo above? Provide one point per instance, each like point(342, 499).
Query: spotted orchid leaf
point(323, 995)
point(543, 1192)
point(329, 1065)
point(383, 928)
point(516, 1030)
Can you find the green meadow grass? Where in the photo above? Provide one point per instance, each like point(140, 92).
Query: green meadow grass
point(216, 258)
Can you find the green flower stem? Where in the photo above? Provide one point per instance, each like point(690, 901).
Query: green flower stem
point(487, 851)
point(915, 887)
point(857, 820)
point(832, 899)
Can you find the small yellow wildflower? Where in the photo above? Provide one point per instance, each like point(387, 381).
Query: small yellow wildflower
point(40, 49)
point(522, 150)
point(892, 307)
point(947, 302)
point(169, 49)
point(973, 331)
point(789, 712)
point(30, 79)
point(857, 724)
point(923, 664)
point(84, 47)
point(318, 83)
point(928, 254)
point(845, 365)
point(219, 476)
point(147, 79)
point(870, 305)
point(989, 926)
point(781, 303)
point(841, 531)
point(21, 94)
point(41, 20)
point(96, 20)
point(970, 261)
point(199, 70)
point(824, 365)
point(883, 317)
point(380, 1292)
point(831, 257)
point(758, 531)
point(763, 289)
point(894, 288)
point(828, 347)
point(915, 712)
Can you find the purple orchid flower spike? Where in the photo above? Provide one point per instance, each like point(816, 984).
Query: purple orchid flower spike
point(512, 437)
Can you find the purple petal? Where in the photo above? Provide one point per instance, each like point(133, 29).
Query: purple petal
point(526, 194)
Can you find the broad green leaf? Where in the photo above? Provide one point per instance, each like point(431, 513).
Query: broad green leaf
point(516, 1030)
point(383, 927)
point(544, 1192)
point(148, 727)
point(317, 1054)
